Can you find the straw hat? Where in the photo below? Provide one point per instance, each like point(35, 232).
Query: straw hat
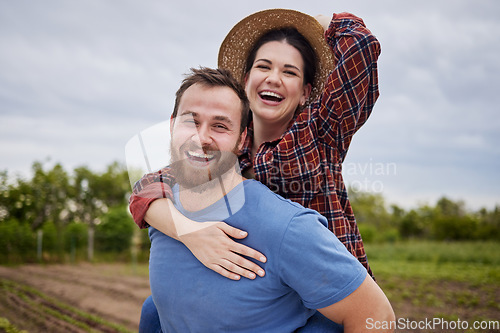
point(236, 47)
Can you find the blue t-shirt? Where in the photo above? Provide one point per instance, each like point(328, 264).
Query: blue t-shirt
point(307, 268)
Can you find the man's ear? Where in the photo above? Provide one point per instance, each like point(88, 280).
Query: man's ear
point(243, 137)
point(172, 121)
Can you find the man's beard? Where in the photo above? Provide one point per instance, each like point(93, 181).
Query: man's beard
point(201, 179)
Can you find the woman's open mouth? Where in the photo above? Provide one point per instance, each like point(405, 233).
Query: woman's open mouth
point(271, 96)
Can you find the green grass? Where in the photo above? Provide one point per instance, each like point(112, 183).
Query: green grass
point(476, 263)
point(7, 327)
point(425, 279)
point(474, 274)
point(436, 252)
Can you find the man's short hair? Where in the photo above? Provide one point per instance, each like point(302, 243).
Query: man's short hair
point(210, 77)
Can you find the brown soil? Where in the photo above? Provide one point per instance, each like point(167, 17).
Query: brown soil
point(44, 298)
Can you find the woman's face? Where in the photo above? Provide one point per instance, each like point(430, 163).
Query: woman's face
point(275, 83)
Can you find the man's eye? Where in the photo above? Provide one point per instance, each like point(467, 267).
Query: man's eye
point(221, 127)
point(190, 122)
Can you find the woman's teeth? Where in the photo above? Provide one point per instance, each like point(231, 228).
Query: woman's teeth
point(271, 96)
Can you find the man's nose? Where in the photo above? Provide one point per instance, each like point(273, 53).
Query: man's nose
point(203, 136)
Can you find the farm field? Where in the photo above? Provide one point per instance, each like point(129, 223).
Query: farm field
point(424, 280)
point(73, 298)
point(454, 282)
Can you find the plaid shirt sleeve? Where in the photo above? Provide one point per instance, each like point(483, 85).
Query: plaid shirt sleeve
point(152, 186)
point(352, 87)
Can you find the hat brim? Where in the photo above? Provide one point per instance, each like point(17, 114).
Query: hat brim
point(236, 47)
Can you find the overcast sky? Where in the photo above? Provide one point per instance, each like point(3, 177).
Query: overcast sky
point(78, 79)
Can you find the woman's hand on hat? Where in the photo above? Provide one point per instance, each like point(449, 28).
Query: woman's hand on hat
point(324, 21)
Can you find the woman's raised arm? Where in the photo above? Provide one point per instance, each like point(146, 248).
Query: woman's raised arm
point(351, 89)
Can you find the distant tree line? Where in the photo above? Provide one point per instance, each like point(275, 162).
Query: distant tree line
point(56, 216)
point(447, 220)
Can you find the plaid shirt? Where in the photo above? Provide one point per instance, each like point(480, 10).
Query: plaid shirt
point(305, 163)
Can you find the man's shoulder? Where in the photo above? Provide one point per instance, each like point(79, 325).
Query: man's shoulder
point(258, 196)
point(258, 193)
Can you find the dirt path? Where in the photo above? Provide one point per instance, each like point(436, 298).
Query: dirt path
point(48, 298)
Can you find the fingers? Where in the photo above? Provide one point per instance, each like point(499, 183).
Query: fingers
point(234, 261)
point(242, 266)
point(231, 270)
point(240, 248)
point(215, 247)
point(224, 272)
point(232, 231)
point(323, 20)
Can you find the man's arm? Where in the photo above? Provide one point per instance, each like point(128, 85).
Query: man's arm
point(315, 264)
point(367, 309)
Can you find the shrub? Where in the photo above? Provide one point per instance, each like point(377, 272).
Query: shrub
point(49, 242)
point(454, 228)
point(17, 242)
point(367, 232)
point(75, 239)
point(114, 233)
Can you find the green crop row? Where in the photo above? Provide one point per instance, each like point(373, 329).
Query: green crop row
point(42, 307)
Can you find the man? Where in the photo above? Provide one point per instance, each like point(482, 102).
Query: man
point(307, 269)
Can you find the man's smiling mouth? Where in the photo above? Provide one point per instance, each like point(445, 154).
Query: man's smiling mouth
point(199, 156)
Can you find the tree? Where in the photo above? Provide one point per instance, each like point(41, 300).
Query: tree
point(449, 208)
point(369, 208)
point(50, 191)
point(489, 223)
point(95, 194)
point(52, 200)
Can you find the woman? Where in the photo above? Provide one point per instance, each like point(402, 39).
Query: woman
point(311, 86)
